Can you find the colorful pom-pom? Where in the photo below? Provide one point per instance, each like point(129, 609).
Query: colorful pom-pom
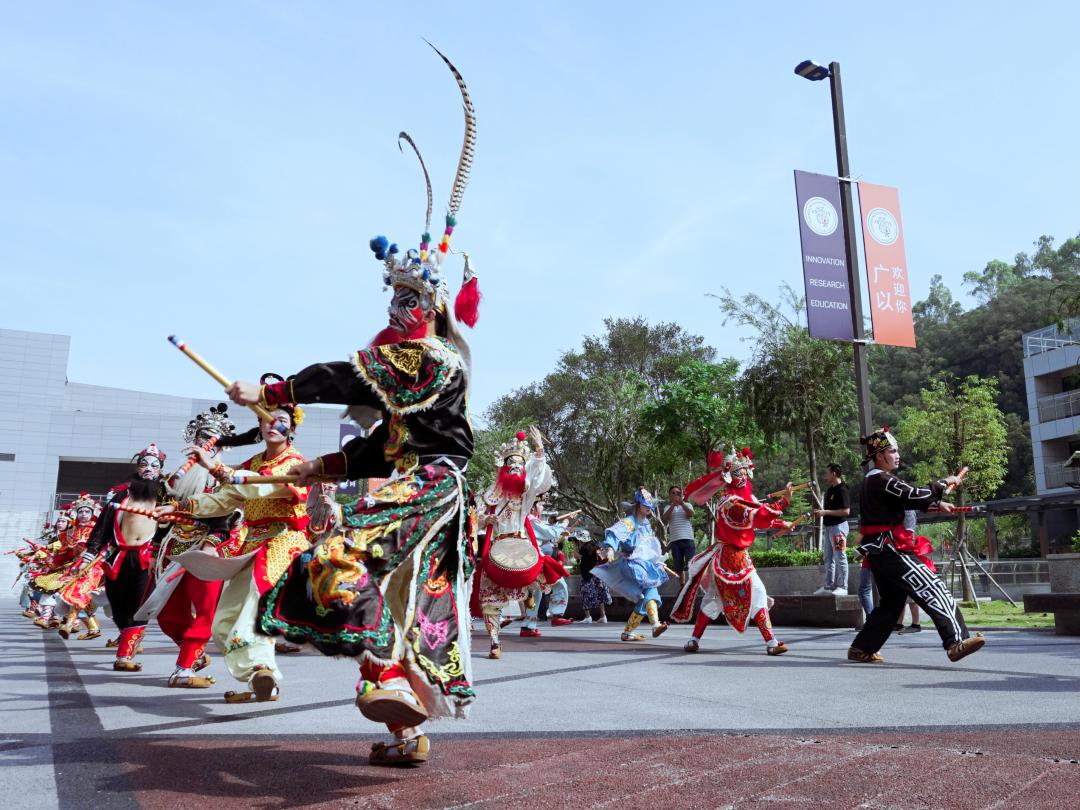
point(451, 221)
point(393, 249)
point(520, 435)
point(378, 246)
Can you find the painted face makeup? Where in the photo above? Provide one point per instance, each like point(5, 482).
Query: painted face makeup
point(406, 311)
point(148, 467)
point(278, 429)
point(514, 464)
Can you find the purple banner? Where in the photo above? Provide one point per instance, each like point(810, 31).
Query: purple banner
point(821, 232)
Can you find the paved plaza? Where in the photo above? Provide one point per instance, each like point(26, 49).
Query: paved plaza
point(574, 719)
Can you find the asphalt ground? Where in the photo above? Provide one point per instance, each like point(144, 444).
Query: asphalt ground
point(573, 719)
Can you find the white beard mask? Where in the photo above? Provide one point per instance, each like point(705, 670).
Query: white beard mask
point(194, 482)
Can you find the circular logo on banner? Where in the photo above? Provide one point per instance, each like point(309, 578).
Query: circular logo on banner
point(882, 226)
point(820, 216)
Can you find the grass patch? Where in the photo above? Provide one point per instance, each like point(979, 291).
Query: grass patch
point(1000, 613)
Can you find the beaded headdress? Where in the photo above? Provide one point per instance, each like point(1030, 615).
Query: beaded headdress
point(214, 421)
point(644, 497)
point(876, 442)
point(150, 450)
point(738, 464)
point(420, 270)
point(517, 446)
point(84, 501)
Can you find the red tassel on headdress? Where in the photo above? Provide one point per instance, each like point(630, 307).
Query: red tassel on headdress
point(467, 303)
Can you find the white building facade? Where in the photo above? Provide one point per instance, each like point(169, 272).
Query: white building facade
point(60, 437)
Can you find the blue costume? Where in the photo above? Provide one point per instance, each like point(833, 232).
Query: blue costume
point(637, 572)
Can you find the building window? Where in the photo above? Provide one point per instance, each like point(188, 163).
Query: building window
point(7, 456)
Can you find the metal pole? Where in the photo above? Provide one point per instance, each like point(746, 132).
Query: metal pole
point(862, 374)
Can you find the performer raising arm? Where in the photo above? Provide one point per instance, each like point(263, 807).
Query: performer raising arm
point(891, 550)
point(387, 583)
point(725, 570)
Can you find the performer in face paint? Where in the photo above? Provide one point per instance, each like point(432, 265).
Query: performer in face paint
point(273, 533)
point(388, 582)
point(894, 553)
point(511, 567)
point(183, 604)
point(635, 569)
point(724, 571)
point(122, 547)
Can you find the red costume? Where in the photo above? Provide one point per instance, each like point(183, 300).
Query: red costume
point(724, 572)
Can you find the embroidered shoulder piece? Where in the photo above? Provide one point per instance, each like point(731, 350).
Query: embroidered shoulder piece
point(408, 376)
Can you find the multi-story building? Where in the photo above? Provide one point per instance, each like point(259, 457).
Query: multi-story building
point(1052, 375)
point(59, 438)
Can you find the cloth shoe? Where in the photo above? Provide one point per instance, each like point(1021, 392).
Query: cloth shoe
point(914, 628)
point(530, 632)
point(964, 648)
point(822, 591)
point(413, 751)
point(691, 646)
point(839, 592)
point(863, 657)
point(559, 621)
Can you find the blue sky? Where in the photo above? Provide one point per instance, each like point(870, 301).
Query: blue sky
point(216, 169)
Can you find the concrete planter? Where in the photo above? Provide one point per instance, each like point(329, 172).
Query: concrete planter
point(1064, 573)
point(792, 581)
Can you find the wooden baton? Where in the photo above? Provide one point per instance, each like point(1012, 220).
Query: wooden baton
point(259, 410)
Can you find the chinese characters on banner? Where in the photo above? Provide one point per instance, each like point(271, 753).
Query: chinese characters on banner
point(821, 233)
point(886, 266)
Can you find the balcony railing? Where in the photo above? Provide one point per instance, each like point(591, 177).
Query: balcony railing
point(1058, 476)
point(1050, 337)
point(1059, 406)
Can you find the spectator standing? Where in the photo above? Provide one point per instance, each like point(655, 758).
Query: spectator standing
point(594, 593)
point(834, 514)
point(677, 517)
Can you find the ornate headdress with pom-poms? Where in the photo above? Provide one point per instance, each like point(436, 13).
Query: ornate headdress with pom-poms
point(738, 464)
point(214, 421)
point(420, 270)
point(517, 446)
point(645, 498)
point(84, 501)
point(877, 442)
point(150, 450)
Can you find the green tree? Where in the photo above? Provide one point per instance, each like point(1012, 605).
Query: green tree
point(590, 411)
point(958, 425)
point(795, 383)
point(700, 410)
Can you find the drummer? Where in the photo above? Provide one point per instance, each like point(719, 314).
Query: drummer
point(511, 566)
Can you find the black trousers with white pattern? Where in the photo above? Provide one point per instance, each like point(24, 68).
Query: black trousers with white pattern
point(900, 576)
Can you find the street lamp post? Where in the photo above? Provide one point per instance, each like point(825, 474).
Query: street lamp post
point(814, 72)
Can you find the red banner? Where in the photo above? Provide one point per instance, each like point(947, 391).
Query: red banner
point(886, 266)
